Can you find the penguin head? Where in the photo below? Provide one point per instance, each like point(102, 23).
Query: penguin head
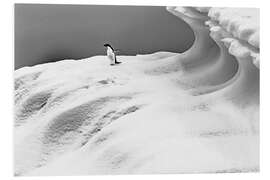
point(107, 45)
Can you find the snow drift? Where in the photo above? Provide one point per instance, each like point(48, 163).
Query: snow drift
point(159, 113)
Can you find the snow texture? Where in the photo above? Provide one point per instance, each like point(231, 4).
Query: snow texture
point(194, 112)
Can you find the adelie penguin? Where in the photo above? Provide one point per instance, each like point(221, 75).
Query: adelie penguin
point(111, 54)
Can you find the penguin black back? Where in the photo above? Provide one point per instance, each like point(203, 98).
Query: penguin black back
point(108, 45)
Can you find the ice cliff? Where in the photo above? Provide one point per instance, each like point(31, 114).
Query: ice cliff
point(197, 111)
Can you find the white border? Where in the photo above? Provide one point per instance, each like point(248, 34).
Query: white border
point(6, 82)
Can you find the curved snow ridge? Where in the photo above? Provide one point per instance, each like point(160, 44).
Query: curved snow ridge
point(242, 23)
point(239, 30)
point(238, 27)
point(237, 47)
point(218, 62)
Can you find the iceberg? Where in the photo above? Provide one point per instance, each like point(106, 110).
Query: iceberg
point(191, 112)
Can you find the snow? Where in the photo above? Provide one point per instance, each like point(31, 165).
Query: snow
point(242, 23)
point(241, 30)
point(238, 28)
point(195, 112)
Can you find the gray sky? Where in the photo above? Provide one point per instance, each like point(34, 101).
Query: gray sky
point(46, 33)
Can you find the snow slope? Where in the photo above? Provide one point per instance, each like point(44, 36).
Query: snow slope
point(159, 113)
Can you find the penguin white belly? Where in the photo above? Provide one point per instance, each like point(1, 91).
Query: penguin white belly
point(111, 56)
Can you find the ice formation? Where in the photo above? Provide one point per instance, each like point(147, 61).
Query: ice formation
point(193, 112)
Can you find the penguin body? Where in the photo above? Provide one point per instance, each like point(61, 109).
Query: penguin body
point(111, 54)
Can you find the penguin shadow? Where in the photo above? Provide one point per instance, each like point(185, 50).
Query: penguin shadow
point(116, 63)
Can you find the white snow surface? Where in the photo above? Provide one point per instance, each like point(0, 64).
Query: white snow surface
point(242, 23)
point(195, 112)
point(242, 30)
point(238, 28)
